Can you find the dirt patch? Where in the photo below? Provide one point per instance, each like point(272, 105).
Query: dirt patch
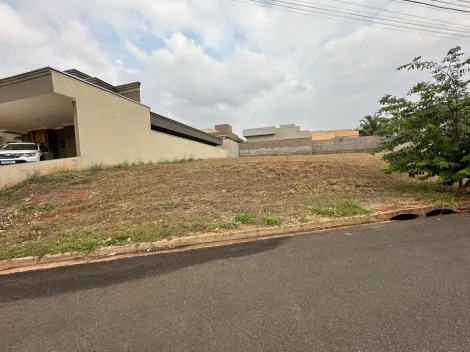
point(57, 213)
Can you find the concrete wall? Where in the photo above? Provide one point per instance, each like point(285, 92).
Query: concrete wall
point(232, 147)
point(307, 146)
point(345, 145)
point(111, 129)
point(12, 174)
point(283, 147)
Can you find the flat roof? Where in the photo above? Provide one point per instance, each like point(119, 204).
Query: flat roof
point(158, 122)
point(166, 125)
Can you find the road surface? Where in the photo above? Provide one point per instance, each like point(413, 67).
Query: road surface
point(402, 286)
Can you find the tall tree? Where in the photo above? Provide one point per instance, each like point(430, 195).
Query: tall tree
point(429, 129)
point(369, 125)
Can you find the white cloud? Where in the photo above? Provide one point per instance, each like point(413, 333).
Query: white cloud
point(216, 61)
point(14, 29)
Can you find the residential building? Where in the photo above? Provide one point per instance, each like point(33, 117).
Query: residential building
point(91, 121)
point(323, 135)
point(230, 139)
point(274, 134)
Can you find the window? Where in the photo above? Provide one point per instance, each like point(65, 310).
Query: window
point(44, 149)
point(20, 146)
point(62, 144)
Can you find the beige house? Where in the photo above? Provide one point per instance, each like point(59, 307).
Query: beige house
point(84, 120)
point(322, 135)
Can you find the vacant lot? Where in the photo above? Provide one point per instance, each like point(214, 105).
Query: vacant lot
point(83, 210)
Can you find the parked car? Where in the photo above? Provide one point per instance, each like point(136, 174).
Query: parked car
point(17, 153)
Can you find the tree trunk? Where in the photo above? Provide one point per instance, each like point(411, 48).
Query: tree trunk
point(460, 185)
point(467, 184)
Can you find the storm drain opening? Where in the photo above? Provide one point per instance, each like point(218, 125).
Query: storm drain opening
point(437, 212)
point(403, 217)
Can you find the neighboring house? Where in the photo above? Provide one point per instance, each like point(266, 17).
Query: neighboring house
point(77, 115)
point(230, 139)
point(275, 134)
point(322, 135)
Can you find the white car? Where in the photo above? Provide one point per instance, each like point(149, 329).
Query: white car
point(17, 153)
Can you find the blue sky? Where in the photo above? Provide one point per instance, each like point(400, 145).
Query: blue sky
point(207, 62)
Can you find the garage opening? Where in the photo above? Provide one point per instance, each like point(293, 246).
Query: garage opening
point(46, 120)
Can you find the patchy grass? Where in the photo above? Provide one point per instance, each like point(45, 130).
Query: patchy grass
point(433, 192)
point(242, 218)
point(90, 244)
point(271, 221)
point(79, 210)
point(340, 209)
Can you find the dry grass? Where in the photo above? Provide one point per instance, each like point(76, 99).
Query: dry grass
point(81, 210)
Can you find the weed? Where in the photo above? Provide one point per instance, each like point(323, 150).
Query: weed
point(119, 238)
point(33, 177)
point(341, 209)
point(96, 167)
point(86, 232)
point(90, 244)
point(349, 209)
point(123, 165)
point(322, 211)
point(271, 221)
point(24, 208)
point(303, 220)
point(48, 206)
point(242, 218)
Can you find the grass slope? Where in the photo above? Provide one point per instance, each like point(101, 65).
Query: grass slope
point(83, 210)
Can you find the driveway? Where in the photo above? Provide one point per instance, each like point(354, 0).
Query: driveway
point(402, 286)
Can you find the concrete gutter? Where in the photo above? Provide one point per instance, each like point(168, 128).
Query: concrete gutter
point(210, 239)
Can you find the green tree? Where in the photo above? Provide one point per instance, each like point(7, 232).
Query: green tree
point(429, 129)
point(370, 125)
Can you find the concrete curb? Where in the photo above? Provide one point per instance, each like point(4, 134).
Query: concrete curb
point(215, 238)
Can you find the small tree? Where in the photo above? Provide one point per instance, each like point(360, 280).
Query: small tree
point(429, 130)
point(370, 125)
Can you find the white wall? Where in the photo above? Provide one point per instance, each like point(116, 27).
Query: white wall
point(8, 137)
point(11, 174)
point(232, 147)
point(111, 129)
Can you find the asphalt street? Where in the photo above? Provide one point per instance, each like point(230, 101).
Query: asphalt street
point(401, 286)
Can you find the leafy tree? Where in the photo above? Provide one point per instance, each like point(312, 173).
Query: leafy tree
point(429, 129)
point(370, 125)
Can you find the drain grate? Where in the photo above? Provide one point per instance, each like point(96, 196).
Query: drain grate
point(437, 212)
point(403, 217)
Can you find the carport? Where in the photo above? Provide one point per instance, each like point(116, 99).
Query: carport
point(28, 106)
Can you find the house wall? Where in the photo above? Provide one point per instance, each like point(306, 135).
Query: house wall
point(9, 137)
point(232, 147)
point(26, 86)
point(322, 135)
point(264, 138)
point(291, 132)
point(272, 133)
point(111, 129)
